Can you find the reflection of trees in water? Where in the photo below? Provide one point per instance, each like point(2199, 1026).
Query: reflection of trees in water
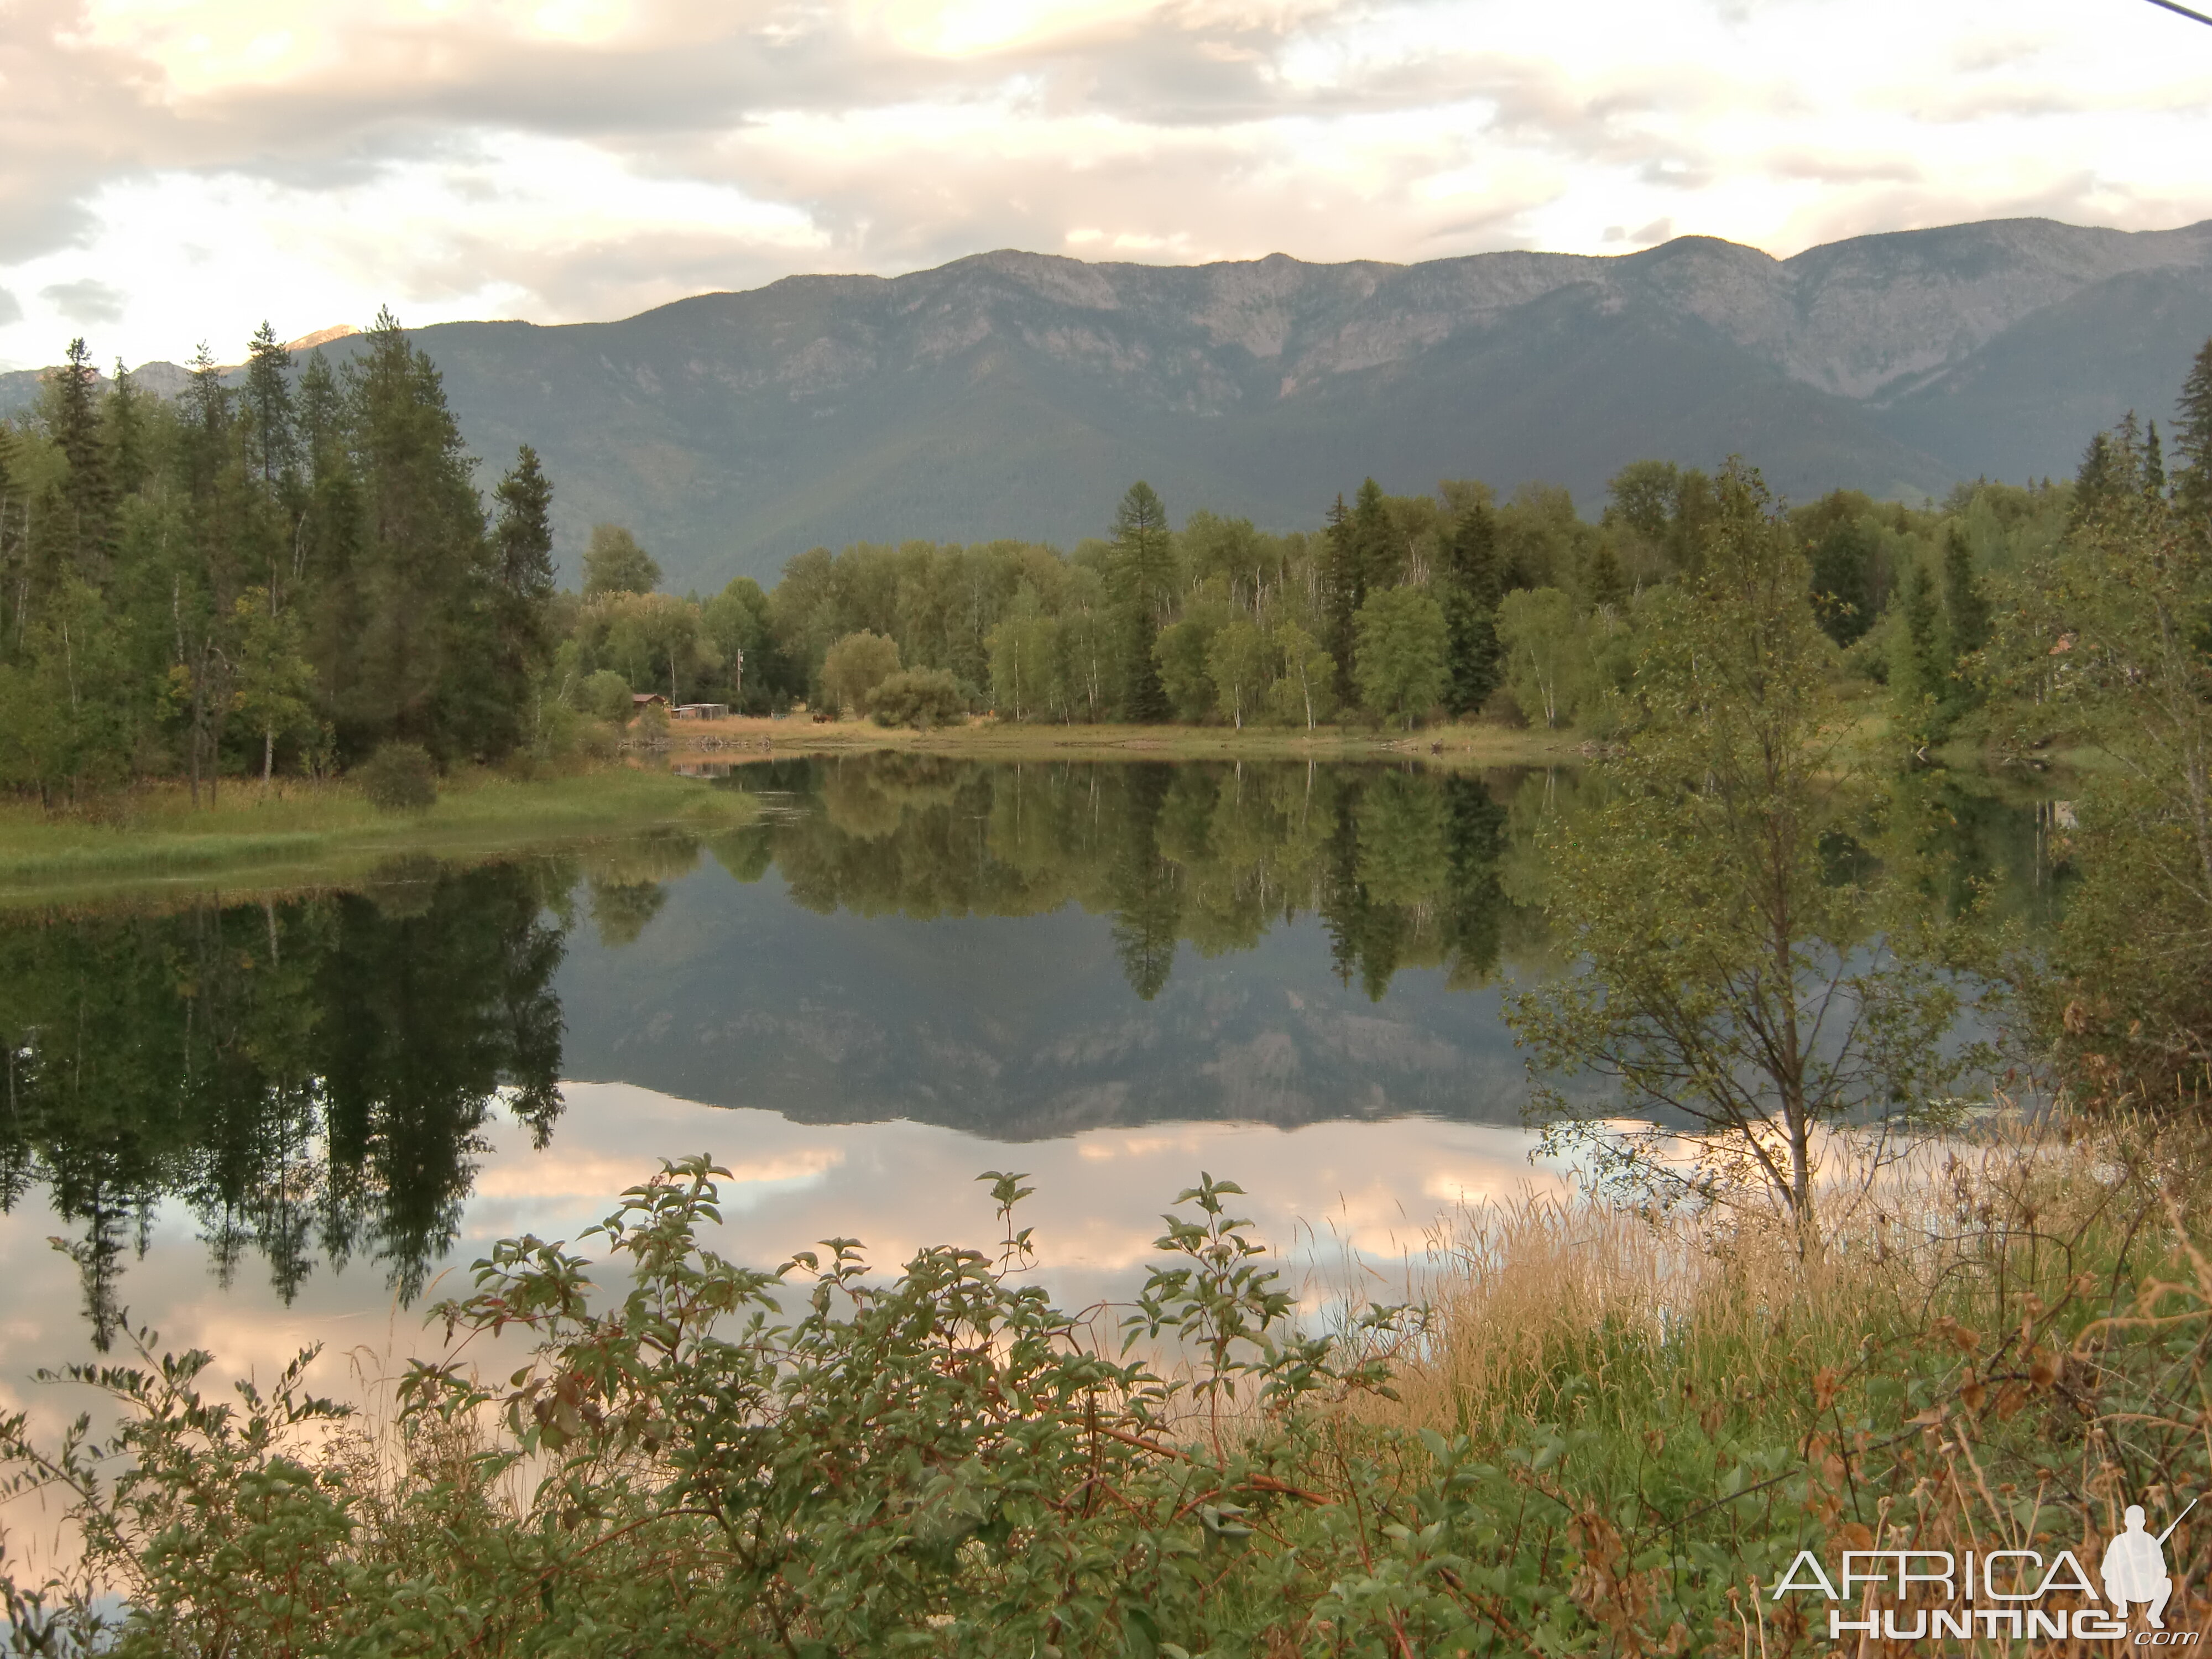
point(311, 1076)
point(625, 877)
point(1402, 864)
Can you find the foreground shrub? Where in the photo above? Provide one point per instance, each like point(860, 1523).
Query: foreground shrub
point(920, 697)
point(400, 777)
point(814, 1462)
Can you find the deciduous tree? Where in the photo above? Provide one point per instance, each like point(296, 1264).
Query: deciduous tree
point(1739, 988)
point(1403, 645)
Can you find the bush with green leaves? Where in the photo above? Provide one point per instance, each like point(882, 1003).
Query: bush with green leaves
point(816, 1461)
point(920, 697)
point(400, 777)
point(607, 695)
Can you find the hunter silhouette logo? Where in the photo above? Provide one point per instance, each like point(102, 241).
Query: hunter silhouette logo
point(1998, 1592)
point(2135, 1567)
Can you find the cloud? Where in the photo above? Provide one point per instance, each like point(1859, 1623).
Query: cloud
point(11, 309)
point(85, 301)
point(213, 159)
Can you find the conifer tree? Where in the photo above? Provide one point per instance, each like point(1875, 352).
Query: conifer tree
point(1343, 593)
point(522, 568)
point(523, 538)
point(422, 563)
point(2111, 470)
point(1143, 570)
point(1469, 591)
point(321, 417)
point(124, 415)
point(2192, 445)
point(1966, 626)
point(1375, 550)
point(89, 494)
point(268, 405)
point(206, 568)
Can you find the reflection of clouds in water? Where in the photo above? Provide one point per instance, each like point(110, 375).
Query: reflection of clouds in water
point(1334, 1199)
point(601, 1176)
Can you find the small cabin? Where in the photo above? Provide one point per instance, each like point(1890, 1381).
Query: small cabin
point(700, 711)
point(642, 700)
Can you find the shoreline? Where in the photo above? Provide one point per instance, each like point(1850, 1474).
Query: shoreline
point(760, 737)
point(148, 839)
point(151, 841)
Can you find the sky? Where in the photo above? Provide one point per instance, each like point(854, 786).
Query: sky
point(174, 172)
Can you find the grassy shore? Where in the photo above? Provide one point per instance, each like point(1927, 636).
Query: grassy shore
point(1479, 743)
point(152, 837)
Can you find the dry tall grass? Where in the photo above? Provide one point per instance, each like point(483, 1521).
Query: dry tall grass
point(2003, 1342)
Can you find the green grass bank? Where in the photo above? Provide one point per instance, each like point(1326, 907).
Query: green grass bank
point(153, 837)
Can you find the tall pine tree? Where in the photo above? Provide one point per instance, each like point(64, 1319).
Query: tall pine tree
point(1469, 590)
point(2192, 445)
point(272, 444)
point(1145, 572)
point(522, 576)
point(422, 568)
point(89, 494)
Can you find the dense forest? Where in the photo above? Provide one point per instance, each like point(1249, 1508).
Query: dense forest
point(286, 568)
point(290, 570)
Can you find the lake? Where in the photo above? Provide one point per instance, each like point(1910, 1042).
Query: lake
point(255, 1120)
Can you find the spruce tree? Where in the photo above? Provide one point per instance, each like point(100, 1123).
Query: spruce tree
point(2192, 445)
point(1469, 591)
point(1342, 594)
point(275, 447)
point(321, 424)
point(1843, 559)
point(423, 655)
point(1604, 582)
point(1375, 554)
point(523, 540)
point(522, 573)
point(2111, 470)
point(1967, 625)
point(125, 419)
point(89, 494)
point(1144, 567)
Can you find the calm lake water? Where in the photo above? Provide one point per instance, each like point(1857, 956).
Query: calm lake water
point(255, 1121)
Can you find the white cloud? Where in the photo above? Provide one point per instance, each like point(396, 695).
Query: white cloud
point(210, 161)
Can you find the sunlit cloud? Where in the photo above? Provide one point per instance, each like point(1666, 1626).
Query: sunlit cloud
point(207, 162)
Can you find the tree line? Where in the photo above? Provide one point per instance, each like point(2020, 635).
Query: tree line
point(290, 565)
point(1398, 610)
point(296, 567)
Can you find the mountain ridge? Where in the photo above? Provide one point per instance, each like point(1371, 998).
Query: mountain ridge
point(1015, 393)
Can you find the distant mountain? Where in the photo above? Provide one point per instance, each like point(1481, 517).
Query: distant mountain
point(1017, 394)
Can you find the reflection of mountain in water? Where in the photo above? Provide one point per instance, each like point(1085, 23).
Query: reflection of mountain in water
point(1023, 952)
point(1019, 952)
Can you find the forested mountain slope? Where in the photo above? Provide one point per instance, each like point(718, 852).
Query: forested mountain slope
point(1014, 394)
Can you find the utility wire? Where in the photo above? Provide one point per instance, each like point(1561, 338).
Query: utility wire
point(2171, 5)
